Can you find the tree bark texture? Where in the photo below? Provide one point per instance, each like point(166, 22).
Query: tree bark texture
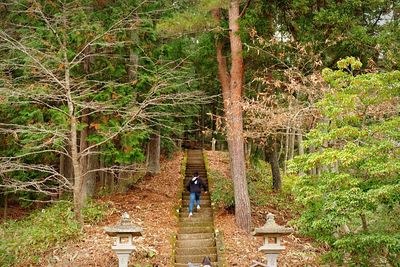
point(83, 144)
point(73, 140)
point(154, 153)
point(273, 160)
point(292, 136)
point(232, 90)
point(286, 148)
point(91, 177)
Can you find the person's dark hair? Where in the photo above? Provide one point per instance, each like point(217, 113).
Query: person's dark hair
point(196, 173)
point(206, 261)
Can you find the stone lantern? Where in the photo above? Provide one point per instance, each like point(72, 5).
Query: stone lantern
point(272, 233)
point(124, 232)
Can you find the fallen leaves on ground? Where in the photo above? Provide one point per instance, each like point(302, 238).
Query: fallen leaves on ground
point(151, 204)
point(241, 248)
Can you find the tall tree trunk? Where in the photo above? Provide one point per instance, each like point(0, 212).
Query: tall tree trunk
point(5, 211)
point(91, 177)
point(273, 160)
point(313, 170)
point(66, 166)
point(300, 145)
point(83, 144)
point(232, 89)
point(286, 149)
point(133, 56)
point(153, 166)
point(73, 131)
point(235, 122)
point(292, 136)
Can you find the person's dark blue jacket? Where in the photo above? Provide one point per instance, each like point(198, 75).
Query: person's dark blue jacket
point(195, 184)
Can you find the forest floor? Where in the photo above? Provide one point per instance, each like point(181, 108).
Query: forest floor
point(152, 204)
point(241, 248)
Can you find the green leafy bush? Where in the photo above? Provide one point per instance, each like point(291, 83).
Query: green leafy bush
point(260, 188)
point(25, 240)
point(222, 192)
point(259, 179)
point(353, 205)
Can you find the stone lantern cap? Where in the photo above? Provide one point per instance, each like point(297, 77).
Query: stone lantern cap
point(272, 228)
point(125, 226)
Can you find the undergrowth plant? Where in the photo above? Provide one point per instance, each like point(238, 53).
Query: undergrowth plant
point(24, 241)
point(259, 181)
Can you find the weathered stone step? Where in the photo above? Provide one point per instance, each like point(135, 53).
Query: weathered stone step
point(194, 251)
point(204, 209)
point(195, 224)
point(196, 219)
point(203, 202)
point(195, 236)
point(195, 243)
point(195, 230)
point(194, 258)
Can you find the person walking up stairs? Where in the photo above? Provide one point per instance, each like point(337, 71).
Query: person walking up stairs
point(194, 187)
point(195, 238)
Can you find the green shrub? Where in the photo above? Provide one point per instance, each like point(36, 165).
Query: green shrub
point(25, 240)
point(353, 204)
point(222, 191)
point(259, 179)
point(260, 188)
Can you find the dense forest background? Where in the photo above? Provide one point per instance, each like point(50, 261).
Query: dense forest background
point(303, 93)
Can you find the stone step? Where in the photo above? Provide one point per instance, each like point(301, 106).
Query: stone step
point(195, 224)
point(205, 210)
point(195, 243)
point(195, 230)
point(203, 201)
point(194, 258)
point(207, 219)
point(194, 251)
point(195, 236)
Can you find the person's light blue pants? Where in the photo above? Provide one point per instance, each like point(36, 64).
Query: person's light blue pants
point(194, 197)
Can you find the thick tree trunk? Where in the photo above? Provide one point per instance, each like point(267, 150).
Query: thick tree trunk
point(235, 122)
point(232, 90)
point(78, 178)
point(91, 177)
point(73, 140)
point(153, 166)
point(274, 162)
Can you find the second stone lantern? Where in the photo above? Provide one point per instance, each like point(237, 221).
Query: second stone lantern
point(272, 233)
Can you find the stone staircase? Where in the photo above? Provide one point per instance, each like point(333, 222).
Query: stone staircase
point(195, 238)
